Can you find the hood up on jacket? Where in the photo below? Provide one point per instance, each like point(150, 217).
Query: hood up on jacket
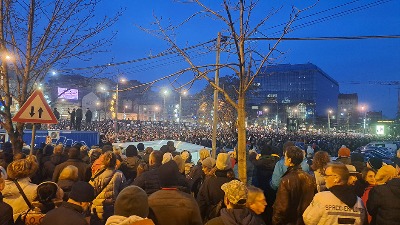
point(345, 193)
point(132, 220)
point(239, 216)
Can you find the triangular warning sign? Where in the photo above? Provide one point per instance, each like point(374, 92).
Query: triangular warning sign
point(35, 110)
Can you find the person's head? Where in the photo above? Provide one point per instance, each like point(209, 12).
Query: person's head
point(204, 153)
point(223, 161)
point(207, 165)
point(109, 160)
point(398, 153)
point(142, 167)
point(70, 172)
point(155, 158)
point(140, 147)
point(95, 154)
point(320, 160)
point(353, 175)
point(336, 174)
point(180, 162)
point(58, 149)
point(131, 151)
point(47, 193)
point(148, 150)
point(22, 168)
point(186, 156)
point(166, 157)
point(287, 145)
point(132, 201)
point(2, 182)
point(374, 163)
point(368, 175)
point(82, 194)
point(168, 174)
point(344, 152)
point(384, 174)
point(107, 148)
point(235, 194)
point(74, 153)
point(293, 156)
point(256, 200)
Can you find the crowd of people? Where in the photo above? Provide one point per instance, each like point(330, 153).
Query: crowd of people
point(139, 131)
point(287, 183)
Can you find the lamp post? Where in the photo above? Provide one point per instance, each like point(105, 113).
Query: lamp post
point(363, 109)
point(155, 110)
point(329, 121)
point(184, 93)
point(165, 93)
point(266, 117)
point(122, 80)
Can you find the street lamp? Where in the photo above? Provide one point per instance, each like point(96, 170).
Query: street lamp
point(155, 110)
point(184, 93)
point(122, 80)
point(364, 110)
point(329, 121)
point(266, 117)
point(104, 90)
point(165, 93)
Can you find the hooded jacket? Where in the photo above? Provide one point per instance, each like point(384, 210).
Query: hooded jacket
point(339, 205)
point(384, 203)
point(236, 217)
point(14, 198)
point(106, 195)
point(132, 220)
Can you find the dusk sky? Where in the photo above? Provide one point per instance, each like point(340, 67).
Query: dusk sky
point(346, 61)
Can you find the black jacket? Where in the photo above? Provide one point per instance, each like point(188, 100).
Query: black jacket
point(6, 213)
point(236, 217)
point(210, 192)
point(148, 180)
point(295, 193)
point(384, 203)
point(66, 214)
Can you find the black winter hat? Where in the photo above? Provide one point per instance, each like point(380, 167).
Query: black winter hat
point(82, 192)
point(375, 163)
point(132, 201)
point(168, 174)
point(131, 150)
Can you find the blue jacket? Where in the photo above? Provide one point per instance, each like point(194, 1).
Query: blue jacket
point(281, 169)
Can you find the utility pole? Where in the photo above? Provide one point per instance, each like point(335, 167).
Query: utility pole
point(215, 118)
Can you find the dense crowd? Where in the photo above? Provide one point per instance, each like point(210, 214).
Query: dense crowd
point(62, 185)
point(139, 131)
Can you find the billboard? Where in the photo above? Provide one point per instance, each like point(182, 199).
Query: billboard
point(380, 129)
point(68, 93)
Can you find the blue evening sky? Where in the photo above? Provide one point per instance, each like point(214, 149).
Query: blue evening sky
point(344, 60)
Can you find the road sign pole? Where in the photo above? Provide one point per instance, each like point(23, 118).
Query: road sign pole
point(33, 138)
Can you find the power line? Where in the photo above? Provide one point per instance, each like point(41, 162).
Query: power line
point(331, 38)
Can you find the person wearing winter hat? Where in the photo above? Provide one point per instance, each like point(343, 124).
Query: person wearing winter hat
point(73, 159)
point(208, 164)
point(384, 174)
point(374, 163)
point(166, 157)
point(130, 163)
point(20, 172)
point(353, 175)
point(384, 202)
point(344, 155)
point(131, 207)
point(334, 206)
point(73, 211)
point(236, 212)
point(211, 194)
point(171, 205)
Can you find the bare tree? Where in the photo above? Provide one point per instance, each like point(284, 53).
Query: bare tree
point(248, 60)
point(39, 35)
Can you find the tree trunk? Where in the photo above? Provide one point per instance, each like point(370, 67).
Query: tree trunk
point(241, 146)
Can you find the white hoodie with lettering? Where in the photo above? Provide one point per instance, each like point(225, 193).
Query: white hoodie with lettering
point(327, 209)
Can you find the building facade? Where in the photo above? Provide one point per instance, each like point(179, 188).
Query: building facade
point(298, 93)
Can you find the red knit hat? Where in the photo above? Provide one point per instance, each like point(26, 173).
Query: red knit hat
point(344, 152)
